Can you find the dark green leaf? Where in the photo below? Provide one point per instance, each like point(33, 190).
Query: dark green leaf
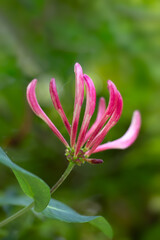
point(60, 211)
point(32, 185)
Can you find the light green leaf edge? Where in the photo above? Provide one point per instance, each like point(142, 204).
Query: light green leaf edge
point(31, 185)
point(60, 211)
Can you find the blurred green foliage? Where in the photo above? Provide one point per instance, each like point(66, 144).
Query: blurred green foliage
point(111, 39)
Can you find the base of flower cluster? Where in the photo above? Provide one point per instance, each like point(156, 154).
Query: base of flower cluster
point(81, 158)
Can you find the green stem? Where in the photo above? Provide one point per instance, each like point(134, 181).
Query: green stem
point(16, 215)
point(63, 177)
point(53, 189)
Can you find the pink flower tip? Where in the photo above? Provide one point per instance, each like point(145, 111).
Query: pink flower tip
point(109, 82)
point(77, 66)
point(78, 69)
point(127, 139)
point(31, 97)
point(132, 133)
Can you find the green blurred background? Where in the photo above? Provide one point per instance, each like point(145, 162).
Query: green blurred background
point(111, 39)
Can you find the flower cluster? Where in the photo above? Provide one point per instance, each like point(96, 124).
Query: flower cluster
point(88, 140)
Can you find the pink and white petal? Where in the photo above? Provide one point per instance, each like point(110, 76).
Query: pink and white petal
point(112, 121)
point(57, 104)
point(90, 107)
point(79, 95)
point(32, 100)
point(90, 96)
point(113, 99)
point(127, 139)
point(101, 108)
point(101, 111)
point(110, 109)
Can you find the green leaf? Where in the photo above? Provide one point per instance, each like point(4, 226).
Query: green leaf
point(101, 223)
point(32, 185)
point(13, 200)
point(60, 211)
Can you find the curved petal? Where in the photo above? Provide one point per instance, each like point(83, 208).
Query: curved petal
point(112, 121)
point(79, 94)
point(127, 139)
point(57, 104)
point(101, 111)
point(90, 107)
point(101, 108)
point(110, 109)
point(32, 100)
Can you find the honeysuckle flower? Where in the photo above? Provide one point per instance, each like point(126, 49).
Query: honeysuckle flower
point(88, 140)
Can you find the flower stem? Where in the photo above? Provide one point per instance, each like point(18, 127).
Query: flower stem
point(53, 189)
point(63, 177)
point(16, 215)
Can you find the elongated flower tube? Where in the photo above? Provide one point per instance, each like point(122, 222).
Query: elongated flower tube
point(57, 104)
point(90, 106)
point(112, 121)
point(32, 100)
point(88, 140)
point(101, 111)
point(79, 94)
point(110, 109)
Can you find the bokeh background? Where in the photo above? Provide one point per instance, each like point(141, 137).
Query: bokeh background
point(111, 39)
